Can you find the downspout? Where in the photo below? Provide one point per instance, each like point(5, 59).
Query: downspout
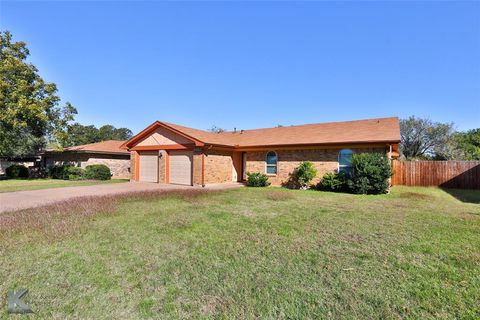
point(391, 166)
point(203, 169)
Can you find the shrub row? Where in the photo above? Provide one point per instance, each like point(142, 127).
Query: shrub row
point(370, 174)
point(70, 172)
point(65, 172)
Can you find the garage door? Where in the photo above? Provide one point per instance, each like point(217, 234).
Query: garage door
point(181, 167)
point(149, 166)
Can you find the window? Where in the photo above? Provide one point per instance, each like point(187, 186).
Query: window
point(271, 163)
point(345, 161)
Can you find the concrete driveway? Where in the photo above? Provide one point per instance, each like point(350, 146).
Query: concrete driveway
point(11, 201)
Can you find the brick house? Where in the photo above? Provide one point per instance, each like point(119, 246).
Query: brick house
point(169, 153)
point(107, 152)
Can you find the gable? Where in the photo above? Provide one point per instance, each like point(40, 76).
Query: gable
point(162, 136)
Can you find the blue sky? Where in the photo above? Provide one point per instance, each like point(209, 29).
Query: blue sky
point(255, 64)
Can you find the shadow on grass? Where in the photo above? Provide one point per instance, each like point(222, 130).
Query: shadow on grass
point(464, 195)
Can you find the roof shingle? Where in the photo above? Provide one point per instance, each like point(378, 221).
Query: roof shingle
point(109, 146)
point(358, 131)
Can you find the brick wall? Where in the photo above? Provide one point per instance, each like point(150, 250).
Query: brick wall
point(218, 166)
point(197, 167)
point(324, 160)
point(119, 164)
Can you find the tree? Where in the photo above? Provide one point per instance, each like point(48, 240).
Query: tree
point(29, 107)
point(469, 144)
point(422, 138)
point(109, 132)
point(78, 134)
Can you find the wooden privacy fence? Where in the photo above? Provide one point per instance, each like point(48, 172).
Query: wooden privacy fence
point(447, 174)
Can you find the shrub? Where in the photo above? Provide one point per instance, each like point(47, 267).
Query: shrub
point(371, 172)
point(60, 171)
point(333, 181)
point(98, 172)
point(17, 171)
point(257, 179)
point(304, 173)
point(75, 173)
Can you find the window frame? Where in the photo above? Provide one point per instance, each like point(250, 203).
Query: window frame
point(340, 166)
point(271, 165)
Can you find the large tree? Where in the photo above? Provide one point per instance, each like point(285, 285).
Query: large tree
point(423, 138)
point(30, 114)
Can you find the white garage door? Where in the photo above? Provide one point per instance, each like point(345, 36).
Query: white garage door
point(181, 167)
point(149, 166)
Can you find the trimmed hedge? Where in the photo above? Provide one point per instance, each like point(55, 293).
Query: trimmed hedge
point(75, 173)
point(98, 172)
point(333, 181)
point(17, 171)
point(257, 179)
point(60, 171)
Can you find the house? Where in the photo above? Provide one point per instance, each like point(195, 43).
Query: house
point(27, 161)
point(170, 153)
point(107, 152)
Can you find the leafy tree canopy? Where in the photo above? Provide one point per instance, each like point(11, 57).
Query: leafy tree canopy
point(425, 139)
point(30, 114)
point(469, 144)
point(78, 134)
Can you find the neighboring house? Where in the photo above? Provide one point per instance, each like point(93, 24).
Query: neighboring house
point(170, 153)
point(28, 162)
point(107, 152)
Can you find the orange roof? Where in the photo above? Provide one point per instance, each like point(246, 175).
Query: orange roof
point(109, 146)
point(360, 131)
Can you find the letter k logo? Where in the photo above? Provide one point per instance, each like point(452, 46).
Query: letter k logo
point(15, 305)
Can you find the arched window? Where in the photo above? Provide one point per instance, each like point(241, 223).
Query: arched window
point(345, 161)
point(271, 163)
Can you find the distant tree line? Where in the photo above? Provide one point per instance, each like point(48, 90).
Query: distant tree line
point(77, 134)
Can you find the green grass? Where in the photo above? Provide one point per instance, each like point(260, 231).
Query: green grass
point(249, 253)
point(11, 185)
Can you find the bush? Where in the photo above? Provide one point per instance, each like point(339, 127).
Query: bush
point(257, 179)
point(98, 172)
point(371, 172)
point(304, 173)
point(75, 173)
point(17, 171)
point(333, 181)
point(60, 171)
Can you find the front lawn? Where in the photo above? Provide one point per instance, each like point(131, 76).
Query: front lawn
point(36, 184)
point(248, 253)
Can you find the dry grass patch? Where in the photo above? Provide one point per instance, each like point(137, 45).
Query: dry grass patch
point(63, 218)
